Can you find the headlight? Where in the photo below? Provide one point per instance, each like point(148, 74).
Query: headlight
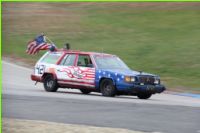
point(129, 79)
point(156, 81)
point(132, 79)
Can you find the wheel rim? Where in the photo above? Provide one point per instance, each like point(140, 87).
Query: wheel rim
point(107, 88)
point(50, 83)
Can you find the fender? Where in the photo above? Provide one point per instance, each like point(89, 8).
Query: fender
point(102, 78)
point(44, 74)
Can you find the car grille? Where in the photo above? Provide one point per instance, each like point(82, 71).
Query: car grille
point(146, 79)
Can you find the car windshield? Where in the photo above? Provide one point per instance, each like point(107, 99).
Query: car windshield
point(109, 62)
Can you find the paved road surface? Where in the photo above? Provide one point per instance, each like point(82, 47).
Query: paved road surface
point(163, 113)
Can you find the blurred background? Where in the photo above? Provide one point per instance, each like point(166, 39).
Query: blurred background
point(157, 37)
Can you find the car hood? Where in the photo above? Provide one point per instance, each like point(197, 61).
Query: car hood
point(127, 72)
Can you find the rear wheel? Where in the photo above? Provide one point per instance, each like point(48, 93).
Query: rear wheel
point(107, 88)
point(50, 84)
point(144, 95)
point(85, 91)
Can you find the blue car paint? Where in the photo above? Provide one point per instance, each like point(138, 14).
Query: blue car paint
point(117, 76)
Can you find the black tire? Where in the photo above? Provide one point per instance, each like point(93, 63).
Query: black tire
point(85, 91)
point(107, 88)
point(50, 84)
point(144, 95)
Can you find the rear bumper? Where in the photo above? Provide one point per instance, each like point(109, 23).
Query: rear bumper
point(36, 78)
point(147, 88)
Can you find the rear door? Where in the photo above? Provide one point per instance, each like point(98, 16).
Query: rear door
point(76, 70)
point(64, 70)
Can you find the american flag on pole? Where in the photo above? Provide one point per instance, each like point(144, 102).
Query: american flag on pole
point(39, 43)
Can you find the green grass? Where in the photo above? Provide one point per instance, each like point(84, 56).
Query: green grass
point(160, 39)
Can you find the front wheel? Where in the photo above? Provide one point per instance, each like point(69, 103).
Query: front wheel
point(107, 88)
point(144, 95)
point(50, 84)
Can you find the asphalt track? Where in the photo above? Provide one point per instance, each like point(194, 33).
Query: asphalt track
point(162, 113)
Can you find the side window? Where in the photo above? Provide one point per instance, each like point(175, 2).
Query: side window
point(51, 58)
point(68, 60)
point(84, 61)
point(63, 60)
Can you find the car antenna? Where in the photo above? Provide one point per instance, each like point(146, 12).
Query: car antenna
point(140, 72)
point(67, 46)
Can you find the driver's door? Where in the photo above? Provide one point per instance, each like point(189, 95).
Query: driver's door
point(85, 71)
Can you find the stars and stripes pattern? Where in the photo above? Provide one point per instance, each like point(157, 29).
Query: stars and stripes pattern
point(34, 48)
point(39, 43)
point(115, 75)
point(78, 73)
point(78, 76)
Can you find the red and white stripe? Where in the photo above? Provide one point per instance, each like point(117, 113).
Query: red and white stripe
point(76, 83)
point(34, 48)
point(87, 74)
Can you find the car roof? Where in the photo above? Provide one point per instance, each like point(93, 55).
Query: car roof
point(83, 52)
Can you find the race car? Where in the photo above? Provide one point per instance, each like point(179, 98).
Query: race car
point(93, 72)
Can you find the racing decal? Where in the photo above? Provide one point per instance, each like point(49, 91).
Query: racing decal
point(82, 76)
point(79, 73)
point(39, 69)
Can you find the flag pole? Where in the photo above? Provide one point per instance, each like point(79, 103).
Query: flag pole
point(53, 46)
point(49, 40)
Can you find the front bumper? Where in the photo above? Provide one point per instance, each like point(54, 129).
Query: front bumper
point(147, 88)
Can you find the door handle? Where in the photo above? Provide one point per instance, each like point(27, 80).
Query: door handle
point(58, 70)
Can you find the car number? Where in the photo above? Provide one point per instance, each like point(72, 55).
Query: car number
point(40, 69)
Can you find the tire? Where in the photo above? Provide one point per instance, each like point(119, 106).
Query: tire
point(107, 88)
point(85, 91)
point(50, 84)
point(144, 95)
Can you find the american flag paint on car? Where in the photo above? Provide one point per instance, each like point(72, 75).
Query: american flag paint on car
point(77, 76)
point(93, 72)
